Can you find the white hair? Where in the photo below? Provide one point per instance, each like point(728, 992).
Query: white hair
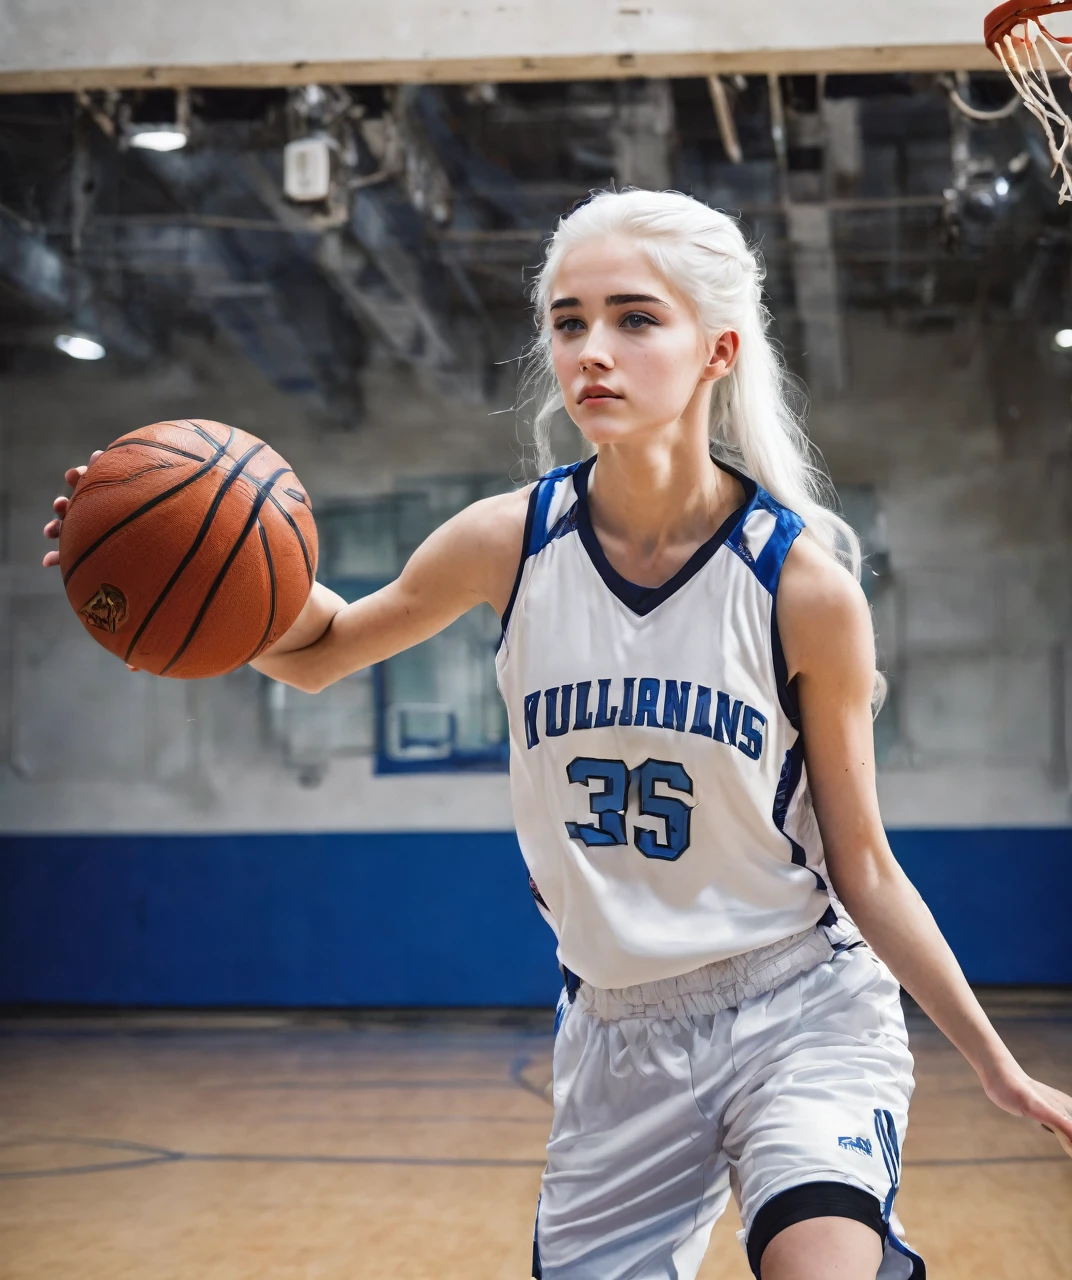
point(757, 409)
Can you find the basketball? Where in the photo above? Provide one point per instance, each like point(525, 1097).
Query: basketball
point(188, 548)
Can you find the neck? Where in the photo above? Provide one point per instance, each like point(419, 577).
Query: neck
point(650, 497)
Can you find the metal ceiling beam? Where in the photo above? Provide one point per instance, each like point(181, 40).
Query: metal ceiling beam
point(641, 133)
point(261, 322)
point(55, 286)
point(397, 315)
point(33, 267)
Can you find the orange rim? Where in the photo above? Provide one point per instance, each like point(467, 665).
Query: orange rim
point(1000, 21)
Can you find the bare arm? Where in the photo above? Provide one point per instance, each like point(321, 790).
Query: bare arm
point(826, 632)
point(470, 560)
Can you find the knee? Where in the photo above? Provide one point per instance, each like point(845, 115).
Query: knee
point(816, 1230)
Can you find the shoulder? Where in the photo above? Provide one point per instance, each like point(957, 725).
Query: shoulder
point(489, 537)
point(493, 527)
point(823, 615)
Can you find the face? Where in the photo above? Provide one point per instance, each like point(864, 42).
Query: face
point(628, 350)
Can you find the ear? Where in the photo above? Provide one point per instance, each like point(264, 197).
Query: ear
point(722, 355)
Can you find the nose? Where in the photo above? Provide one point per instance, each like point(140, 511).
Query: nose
point(595, 354)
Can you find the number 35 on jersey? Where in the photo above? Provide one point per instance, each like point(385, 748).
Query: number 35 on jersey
point(612, 784)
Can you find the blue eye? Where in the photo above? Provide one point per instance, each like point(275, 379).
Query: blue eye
point(637, 320)
point(563, 325)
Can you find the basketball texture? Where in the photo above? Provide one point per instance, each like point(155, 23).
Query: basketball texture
point(188, 548)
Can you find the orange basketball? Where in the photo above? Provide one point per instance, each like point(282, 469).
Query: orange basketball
point(188, 547)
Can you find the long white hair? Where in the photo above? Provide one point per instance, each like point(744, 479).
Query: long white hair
point(756, 421)
point(757, 409)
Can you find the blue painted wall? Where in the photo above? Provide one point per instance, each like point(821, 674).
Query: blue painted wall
point(409, 919)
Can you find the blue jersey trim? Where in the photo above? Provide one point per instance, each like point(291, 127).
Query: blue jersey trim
point(526, 538)
point(537, 535)
point(886, 1132)
point(767, 567)
point(788, 781)
point(537, 1266)
point(642, 600)
point(787, 689)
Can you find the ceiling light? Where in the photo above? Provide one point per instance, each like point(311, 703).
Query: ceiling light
point(81, 347)
point(1063, 339)
point(157, 137)
point(1001, 186)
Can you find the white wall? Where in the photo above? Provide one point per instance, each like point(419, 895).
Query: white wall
point(60, 44)
point(975, 616)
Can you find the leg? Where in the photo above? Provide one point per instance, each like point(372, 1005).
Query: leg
point(635, 1176)
point(818, 1230)
point(823, 1249)
point(816, 1121)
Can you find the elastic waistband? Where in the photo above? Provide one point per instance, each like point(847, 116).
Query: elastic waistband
point(724, 984)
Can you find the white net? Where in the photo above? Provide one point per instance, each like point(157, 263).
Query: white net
point(1025, 52)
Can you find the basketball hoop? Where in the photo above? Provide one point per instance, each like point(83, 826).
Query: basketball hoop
point(1019, 39)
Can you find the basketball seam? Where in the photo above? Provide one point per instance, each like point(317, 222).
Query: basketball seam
point(203, 470)
point(297, 533)
point(153, 444)
point(91, 486)
point(202, 533)
point(220, 460)
point(265, 487)
point(185, 422)
point(271, 578)
point(215, 444)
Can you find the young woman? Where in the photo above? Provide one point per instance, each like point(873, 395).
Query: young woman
point(689, 669)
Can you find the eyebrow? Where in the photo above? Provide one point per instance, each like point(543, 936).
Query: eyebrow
point(611, 300)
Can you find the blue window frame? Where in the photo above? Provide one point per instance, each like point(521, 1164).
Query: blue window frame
point(437, 706)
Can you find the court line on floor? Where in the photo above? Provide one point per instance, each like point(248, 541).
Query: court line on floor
point(461, 1118)
point(346, 1085)
point(518, 1068)
point(164, 1155)
point(981, 1160)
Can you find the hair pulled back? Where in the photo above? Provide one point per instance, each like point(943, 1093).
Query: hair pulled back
point(754, 425)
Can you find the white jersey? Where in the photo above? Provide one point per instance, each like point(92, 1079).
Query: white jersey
point(656, 761)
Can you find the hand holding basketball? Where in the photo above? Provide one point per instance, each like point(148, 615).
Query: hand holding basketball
point(187, 547)
point(60, 504)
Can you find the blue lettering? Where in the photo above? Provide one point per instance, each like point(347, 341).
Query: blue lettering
point(751, 728)
point(726, 720)
point(532, 707)
point(676, 704)
point(648, 703)
point(701, 718)
point(556, 730)
point(626, 718)
point(583, 718)
point(604, 717)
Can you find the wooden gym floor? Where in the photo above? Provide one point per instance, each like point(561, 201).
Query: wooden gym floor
point(310, 1147)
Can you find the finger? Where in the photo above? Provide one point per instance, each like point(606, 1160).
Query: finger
point(1062, 1138)
point(73, 474)
point(130, 668)
point(51, 558)
point(52, 529)
point(1053, 1116)
point(60, 505)
point(95, 455)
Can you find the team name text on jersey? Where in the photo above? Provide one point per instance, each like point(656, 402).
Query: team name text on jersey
point(644, 702)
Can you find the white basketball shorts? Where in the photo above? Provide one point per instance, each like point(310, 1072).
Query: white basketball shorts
point(796, 1099)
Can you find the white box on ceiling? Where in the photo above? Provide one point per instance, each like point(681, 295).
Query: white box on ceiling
point(307, 169)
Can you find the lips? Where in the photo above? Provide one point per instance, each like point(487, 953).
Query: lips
point(598, 392)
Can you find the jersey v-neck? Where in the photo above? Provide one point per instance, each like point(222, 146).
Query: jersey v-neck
point(642, 600)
